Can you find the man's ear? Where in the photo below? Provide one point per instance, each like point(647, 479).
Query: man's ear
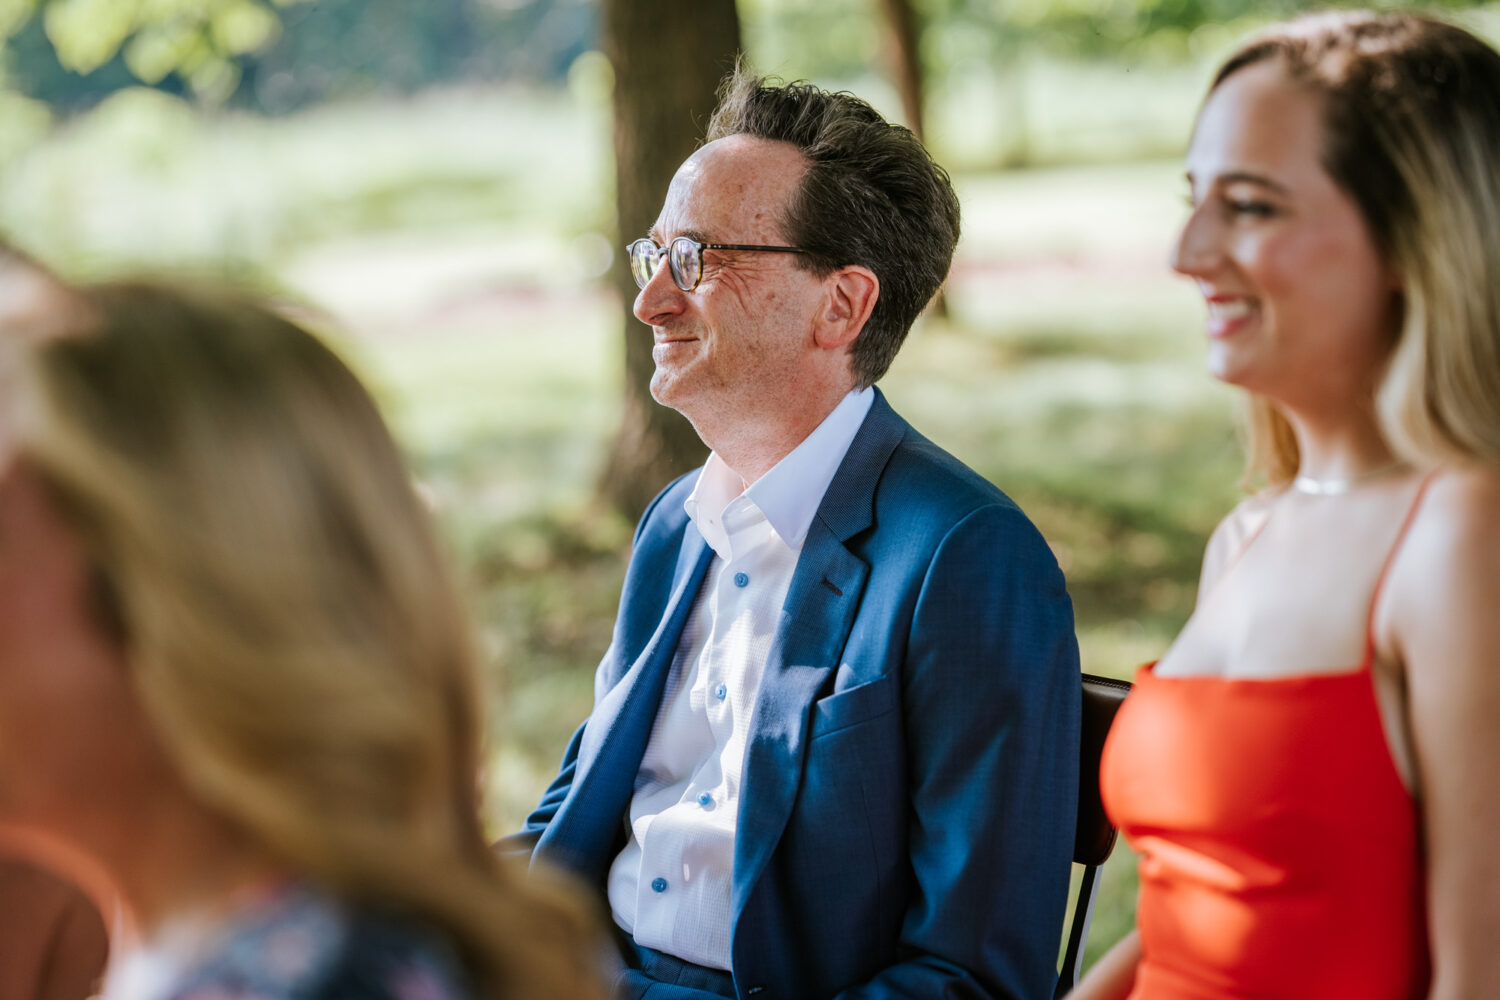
point(851, 295)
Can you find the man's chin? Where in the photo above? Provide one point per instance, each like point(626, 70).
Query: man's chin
point(665, 389)
point(674, 391)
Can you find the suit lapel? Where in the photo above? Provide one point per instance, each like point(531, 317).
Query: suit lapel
point(582, 835)
point(821, 606)
point(825, 594)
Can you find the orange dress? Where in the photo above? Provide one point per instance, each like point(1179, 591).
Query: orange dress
point(1280, 850)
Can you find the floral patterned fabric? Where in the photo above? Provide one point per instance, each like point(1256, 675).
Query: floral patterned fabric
point(296, 944)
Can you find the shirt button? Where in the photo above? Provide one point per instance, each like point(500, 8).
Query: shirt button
point(705, 800)
point(658, 885)
point(721, 692)
point(741, 580)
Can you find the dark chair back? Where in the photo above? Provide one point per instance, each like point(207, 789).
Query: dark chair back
point(1094, 837)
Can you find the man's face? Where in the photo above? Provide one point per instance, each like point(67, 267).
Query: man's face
point(738, 346)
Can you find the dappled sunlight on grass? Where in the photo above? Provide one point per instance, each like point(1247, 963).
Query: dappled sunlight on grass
point(147, 178)
point(1099, 211)
point(506, 415)
point(1081, 309)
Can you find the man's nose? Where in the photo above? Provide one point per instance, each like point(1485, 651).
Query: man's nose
point(660, 298)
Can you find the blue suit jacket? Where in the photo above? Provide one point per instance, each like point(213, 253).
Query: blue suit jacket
point(907, 810)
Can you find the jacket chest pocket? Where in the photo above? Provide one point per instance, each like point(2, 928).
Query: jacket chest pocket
point(853, 706)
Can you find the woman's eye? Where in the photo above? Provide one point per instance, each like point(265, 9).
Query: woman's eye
point(1256, 209)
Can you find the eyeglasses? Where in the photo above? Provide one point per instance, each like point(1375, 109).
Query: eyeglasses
point(684, 259)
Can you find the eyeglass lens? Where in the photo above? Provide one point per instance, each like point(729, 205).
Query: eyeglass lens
point(686, 261)
point(645, 257)
point(684, 258)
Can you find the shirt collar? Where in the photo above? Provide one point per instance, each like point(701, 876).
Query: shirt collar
point(790, 492)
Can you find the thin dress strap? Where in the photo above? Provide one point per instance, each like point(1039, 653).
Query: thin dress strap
point(1385, 568)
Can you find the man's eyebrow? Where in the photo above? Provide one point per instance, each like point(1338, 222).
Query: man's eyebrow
point(655, 235)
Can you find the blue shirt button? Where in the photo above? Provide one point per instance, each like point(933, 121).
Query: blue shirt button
point(721, 692)
point(658, 885)
point(705, 800)
point(741, 579)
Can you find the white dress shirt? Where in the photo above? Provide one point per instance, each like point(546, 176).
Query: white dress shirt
point(669, 887)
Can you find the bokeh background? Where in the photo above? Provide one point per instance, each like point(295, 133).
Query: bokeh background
point(433, 185)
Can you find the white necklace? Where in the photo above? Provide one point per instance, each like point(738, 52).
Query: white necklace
point(1338, 487)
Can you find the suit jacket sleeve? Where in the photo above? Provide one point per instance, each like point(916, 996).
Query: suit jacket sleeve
point(520, 844)
point(991, 705)
point(608, 673)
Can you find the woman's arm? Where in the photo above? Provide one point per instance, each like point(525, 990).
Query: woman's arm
point(1446, 633)
point(1112, 976)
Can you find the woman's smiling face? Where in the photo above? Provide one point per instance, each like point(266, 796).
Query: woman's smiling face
point(1300, 300)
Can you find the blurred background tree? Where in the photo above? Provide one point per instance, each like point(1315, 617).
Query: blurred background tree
point(445, 188)
point(666, 70)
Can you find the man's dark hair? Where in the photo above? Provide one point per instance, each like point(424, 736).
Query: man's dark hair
point(872, 196)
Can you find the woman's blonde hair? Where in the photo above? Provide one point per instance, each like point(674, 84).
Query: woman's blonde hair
point(1412, 134)
point(292, 629)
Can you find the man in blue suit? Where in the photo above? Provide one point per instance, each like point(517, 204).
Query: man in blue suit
point(834, 746)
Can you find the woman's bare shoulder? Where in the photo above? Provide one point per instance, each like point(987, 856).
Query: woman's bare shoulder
point(1445, 582)
point(1458, 525)
point(1233, 533)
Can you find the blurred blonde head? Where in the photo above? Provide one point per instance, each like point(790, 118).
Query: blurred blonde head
point(33, 303)
point(293, 633)
point(1412, 136)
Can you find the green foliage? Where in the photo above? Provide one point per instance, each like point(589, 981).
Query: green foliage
point(281, 54)
point(1038, 82)
point(13, 14)
point(841, 38)
point(278, 55)
point(27, 123)
point(199, 40)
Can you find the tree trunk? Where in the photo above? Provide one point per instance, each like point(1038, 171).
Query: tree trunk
point(905, 34)
point(668, 60)
point(905, 47)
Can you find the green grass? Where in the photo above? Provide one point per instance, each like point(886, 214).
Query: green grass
point(147, 179)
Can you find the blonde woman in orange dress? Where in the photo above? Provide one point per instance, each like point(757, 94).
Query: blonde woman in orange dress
point(1306, 772)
